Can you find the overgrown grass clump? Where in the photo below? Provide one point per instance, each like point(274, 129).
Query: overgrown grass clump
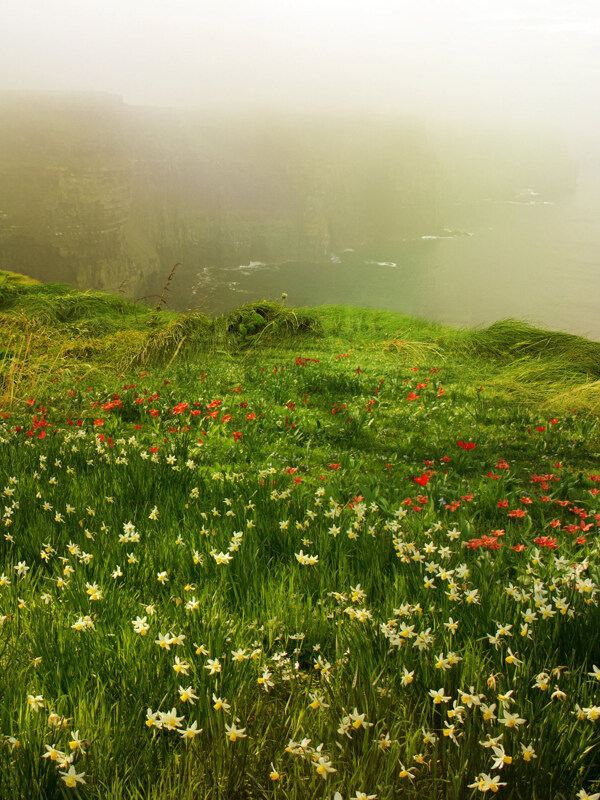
point(291, 553)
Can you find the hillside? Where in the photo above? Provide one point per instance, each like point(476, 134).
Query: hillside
point(293, 553)
point(231, 544)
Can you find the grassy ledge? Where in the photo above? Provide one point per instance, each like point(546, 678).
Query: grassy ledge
point(294, 553)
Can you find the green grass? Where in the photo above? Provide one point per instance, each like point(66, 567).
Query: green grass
point(248, 484)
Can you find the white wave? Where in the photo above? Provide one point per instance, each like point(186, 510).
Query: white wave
point(335, 259)
point(233, 287)
point(527, 193)
point(448, 234)
point(521, 202)
point(382, 263)
point(252, 265)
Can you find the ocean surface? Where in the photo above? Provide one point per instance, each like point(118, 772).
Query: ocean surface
point(530, 258)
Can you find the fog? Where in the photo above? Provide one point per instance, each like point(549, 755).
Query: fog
point(515, 62)
point(439, 157)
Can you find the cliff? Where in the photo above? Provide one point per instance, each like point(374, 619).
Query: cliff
point(104, 195)
point(96, 193)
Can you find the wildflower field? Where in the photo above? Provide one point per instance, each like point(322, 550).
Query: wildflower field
point(356, 557)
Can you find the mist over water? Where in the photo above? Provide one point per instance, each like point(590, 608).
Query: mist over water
point(436, 158)
point(529, 258)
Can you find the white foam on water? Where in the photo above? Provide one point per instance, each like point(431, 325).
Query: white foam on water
point(383, 263)
point(448, 234)
point(252, 265)
point(233, 287)
point(521, 202)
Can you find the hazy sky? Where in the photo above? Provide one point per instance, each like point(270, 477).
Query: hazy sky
point(526, 59)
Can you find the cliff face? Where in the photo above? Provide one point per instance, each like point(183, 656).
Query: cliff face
point(65, 189)
point(97, 193)
point(105, 195)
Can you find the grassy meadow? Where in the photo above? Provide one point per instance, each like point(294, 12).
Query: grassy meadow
point(294, 553)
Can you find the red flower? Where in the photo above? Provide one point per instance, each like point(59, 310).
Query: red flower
point(488, 542)
point(518, 512)
point(412, 396)
point(237, 435)
point(518, 547)
point(546, 541)
point(466, 445)
point(422, 479)
point(335, 466)
point(502, 503)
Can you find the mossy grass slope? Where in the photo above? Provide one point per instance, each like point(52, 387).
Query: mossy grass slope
point(288, 553)
point(77, 331)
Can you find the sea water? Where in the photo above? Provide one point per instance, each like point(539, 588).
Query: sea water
point(528, 257)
